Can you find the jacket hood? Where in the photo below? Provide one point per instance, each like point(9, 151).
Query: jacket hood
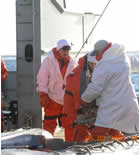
point(115, 54)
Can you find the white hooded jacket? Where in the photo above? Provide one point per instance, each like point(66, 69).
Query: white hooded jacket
point(114, 93)
point(50, 80)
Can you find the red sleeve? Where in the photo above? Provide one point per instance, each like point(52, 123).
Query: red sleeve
point(4, 72)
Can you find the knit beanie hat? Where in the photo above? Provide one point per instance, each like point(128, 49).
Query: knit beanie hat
point(100, 45)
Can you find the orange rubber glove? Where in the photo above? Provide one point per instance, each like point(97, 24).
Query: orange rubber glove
point(43, 99)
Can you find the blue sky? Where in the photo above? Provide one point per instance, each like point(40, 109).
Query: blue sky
point(120, 24)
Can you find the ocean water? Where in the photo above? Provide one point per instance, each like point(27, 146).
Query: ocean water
point(10, 62)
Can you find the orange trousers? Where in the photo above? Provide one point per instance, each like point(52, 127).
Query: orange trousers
point(80, 133)
point(101, 131)
point(54, 111)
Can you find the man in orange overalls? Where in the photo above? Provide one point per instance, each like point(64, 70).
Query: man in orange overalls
point(77, 82)
point(51, 81)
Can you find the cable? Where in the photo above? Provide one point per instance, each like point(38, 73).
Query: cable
point(80, 148)
point(92, 147)
point(93, 29)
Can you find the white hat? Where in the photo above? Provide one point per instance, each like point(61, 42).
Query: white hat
point(92, 57)
point(100, 45)
point(62, 43)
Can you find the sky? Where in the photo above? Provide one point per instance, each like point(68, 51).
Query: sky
point(7, 27)
point(120, 24)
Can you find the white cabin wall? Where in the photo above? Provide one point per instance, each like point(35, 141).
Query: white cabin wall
point(67, 25)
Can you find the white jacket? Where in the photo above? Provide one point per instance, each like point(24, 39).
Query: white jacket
point(50, 80)
point(114, 93)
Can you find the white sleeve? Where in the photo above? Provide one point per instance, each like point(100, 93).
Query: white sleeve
point(98, 83)
point(134, 61)
point(42, 77)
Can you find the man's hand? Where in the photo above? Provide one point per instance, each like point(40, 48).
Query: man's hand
point(83, 104)
point(43, 99)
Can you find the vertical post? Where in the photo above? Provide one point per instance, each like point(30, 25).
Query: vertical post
point(28, 61)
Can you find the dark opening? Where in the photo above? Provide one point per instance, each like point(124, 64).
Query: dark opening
point(28, 53)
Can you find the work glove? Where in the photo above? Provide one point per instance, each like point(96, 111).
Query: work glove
point(44, 99)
